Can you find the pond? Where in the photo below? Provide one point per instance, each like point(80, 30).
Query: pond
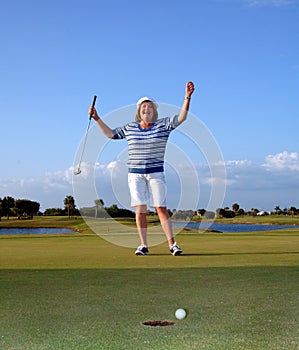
point(35, 230)
point(216, 226)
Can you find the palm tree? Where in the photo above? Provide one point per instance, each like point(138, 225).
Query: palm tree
point(98, 203)
point(277, 209)
point(235, 207)
point(292, 211)
point(69, 204)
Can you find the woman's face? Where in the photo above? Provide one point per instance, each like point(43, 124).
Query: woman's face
point(147, 112)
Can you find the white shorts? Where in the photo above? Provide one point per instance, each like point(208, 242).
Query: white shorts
point(146, 188)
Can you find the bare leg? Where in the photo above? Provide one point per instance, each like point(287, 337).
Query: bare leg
point(166, 223)
point(141, 223)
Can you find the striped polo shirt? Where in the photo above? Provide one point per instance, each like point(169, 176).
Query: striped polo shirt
point(146, 147)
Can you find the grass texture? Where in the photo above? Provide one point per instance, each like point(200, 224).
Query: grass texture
point(82, 292)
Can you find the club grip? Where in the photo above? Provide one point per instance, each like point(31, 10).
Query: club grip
point(94, 100)
point(93, 103)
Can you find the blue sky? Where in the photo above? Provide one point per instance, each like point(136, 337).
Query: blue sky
point(243, 56)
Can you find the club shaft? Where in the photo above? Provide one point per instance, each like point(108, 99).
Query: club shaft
point(86, 133)
point(84, 143)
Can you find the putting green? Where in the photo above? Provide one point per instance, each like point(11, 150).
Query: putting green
point(81, 292)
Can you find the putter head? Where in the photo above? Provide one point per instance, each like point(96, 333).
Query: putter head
point(77, 172)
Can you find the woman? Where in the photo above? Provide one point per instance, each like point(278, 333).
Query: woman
point(147, 138)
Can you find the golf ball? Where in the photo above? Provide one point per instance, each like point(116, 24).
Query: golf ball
point(180, 314)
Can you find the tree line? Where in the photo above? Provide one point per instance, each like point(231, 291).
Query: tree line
point(228, 213)
point(26, 209)
point(22, 208)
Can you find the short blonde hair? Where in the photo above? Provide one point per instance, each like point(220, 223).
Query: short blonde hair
point(155, 117)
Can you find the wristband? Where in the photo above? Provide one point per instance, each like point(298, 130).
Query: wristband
point(187, 97)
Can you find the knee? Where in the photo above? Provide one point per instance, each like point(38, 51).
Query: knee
point(140, 210)
point(162, 211)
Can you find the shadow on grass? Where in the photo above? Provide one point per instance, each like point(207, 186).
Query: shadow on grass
point(226, 254)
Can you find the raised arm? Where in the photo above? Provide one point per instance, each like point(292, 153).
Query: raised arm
point(103, 127)
point(185, 107)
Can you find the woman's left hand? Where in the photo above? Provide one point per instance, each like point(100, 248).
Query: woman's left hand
point(189, 88)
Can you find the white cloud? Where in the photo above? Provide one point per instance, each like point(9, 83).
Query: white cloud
point(48, 190)
point(282, 161)
point(237, 163)
point(263, 186)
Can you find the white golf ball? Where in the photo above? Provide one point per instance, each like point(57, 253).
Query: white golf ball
point(180, 314)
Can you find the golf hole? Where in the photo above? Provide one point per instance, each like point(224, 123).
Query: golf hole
point(158, 323)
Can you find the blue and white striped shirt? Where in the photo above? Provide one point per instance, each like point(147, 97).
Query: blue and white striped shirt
point(146, 147)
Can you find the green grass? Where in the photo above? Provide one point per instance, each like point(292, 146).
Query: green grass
point(270, 219)
point(81, 292)
point(63, 221)
point(229, 308)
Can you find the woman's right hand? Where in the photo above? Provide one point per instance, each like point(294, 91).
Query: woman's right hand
point(93, 113)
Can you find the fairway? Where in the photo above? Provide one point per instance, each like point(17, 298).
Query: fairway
point(82, 292)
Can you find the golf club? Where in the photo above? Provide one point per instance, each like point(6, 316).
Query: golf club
point(78, 171)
